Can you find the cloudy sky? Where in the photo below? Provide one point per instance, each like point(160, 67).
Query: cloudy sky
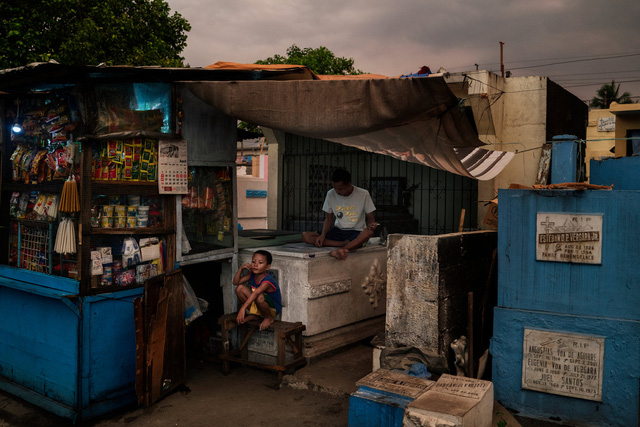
point(580, 44)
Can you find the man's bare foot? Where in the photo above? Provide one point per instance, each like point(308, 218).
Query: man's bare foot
point(340, 254)
point(266, 323)
point(247, 318)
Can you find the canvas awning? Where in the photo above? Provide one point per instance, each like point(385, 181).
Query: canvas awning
point(412, 119)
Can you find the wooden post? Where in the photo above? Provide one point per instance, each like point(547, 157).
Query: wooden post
point(470, 371)
point(461, 226)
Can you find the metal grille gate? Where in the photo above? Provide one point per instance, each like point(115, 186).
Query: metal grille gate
point(409, 198)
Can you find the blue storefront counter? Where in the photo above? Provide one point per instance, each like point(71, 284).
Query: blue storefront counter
point(72, 355)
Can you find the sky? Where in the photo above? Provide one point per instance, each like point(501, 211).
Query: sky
point(579, 44)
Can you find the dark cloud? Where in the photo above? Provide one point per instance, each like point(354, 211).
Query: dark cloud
point(398, 37)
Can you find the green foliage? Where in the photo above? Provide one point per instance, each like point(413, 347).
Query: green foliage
point(90, 32)
point(609, 93)
point(321, 60)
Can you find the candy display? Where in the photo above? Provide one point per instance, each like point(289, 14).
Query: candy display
point(127, 160)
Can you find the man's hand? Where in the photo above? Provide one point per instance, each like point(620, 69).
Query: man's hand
point(319, 240)
point(373, 226)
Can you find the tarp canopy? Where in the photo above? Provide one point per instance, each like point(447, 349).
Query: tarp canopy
point(412, 119)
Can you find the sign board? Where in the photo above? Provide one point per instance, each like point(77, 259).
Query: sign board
point(564, 364)
point(573, 238)
point(606, 124)
point(173, 176)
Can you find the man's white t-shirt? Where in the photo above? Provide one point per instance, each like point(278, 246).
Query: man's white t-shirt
point(350, 212)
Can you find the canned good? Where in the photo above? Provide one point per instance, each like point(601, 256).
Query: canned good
point(132, 221)
point(120, 222)
point(132, 210)
point(121, 210)
point(106, 222)
point(107, 210)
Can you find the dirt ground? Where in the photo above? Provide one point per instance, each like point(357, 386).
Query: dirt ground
point(246, 397)
point(317, 395)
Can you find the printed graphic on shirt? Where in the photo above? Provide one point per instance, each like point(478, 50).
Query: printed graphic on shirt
point(347, 213)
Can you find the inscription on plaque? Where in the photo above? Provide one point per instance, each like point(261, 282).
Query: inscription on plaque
point(564, 364)
point(573, 238)
point(462, 386)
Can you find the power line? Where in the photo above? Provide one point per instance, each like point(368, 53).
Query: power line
point(576, 60)
point(569, 59)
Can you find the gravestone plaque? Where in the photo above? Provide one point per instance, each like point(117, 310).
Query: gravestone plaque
point(575, 238)
point(397, 383)
point(606, 124)
point(452, 401)
point(564, 364)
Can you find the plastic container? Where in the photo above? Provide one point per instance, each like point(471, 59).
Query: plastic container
point(133, 200)
point(120, 221)
point(106, 222)
point(107, 210)
point(143, 211)
point(143, 221)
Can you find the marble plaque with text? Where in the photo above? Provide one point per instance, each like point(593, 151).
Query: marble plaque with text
point(564, 364)
point(575, 238)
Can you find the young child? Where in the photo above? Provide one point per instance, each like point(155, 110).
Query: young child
point(261, 295)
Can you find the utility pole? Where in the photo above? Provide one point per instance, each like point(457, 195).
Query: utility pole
point(501, 59)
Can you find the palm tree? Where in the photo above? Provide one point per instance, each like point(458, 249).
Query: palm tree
point(609, 93)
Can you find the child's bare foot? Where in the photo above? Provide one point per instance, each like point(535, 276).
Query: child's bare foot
point(340, 254)
point(266, 323)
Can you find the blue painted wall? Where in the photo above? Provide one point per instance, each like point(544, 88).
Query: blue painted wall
point(621, 370)
point(623, 173)
point(597, 300)
point(564, 161)
point(611, 289)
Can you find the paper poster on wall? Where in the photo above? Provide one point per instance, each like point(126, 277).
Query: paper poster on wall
point(575, 238)
point(172, 167)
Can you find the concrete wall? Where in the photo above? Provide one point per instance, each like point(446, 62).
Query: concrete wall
point(597, 300)
point(429, 278)
point(252, 211)
point(599, 142)
point(623, 173)
point(627, 118)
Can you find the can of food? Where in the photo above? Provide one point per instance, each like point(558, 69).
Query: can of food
point(120, 222)
point(121, 210)
point(107, 210)
point(106, 222)
point(132, 210)
point(132, 221)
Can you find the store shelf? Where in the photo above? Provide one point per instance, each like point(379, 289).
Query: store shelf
point(44, 187)
point(142, 188)
point(127, 231)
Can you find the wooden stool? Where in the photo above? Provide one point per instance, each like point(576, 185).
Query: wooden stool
point(285, 333)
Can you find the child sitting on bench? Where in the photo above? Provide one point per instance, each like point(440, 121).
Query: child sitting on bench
point(258, 292)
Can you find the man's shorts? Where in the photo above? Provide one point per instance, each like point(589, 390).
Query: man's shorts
point(340, 235)
point(255, 310)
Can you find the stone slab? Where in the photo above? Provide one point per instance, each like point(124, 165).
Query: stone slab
point(565, 364)
point(453, 401)
point(396, 383)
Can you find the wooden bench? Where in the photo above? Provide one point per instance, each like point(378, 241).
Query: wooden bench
point(286, 333)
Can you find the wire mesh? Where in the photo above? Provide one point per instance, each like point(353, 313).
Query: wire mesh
point(409, 198)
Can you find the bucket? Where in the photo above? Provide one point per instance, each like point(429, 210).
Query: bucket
point(133, 200)
point(143, 221)
point(143, 211)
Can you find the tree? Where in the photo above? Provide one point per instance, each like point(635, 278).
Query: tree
point(609, 93)
point(90, 32)
point(321, 60)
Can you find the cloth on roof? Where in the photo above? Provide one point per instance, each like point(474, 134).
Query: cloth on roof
point(416, 120)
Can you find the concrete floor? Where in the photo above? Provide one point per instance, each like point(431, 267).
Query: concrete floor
point(317, 395)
